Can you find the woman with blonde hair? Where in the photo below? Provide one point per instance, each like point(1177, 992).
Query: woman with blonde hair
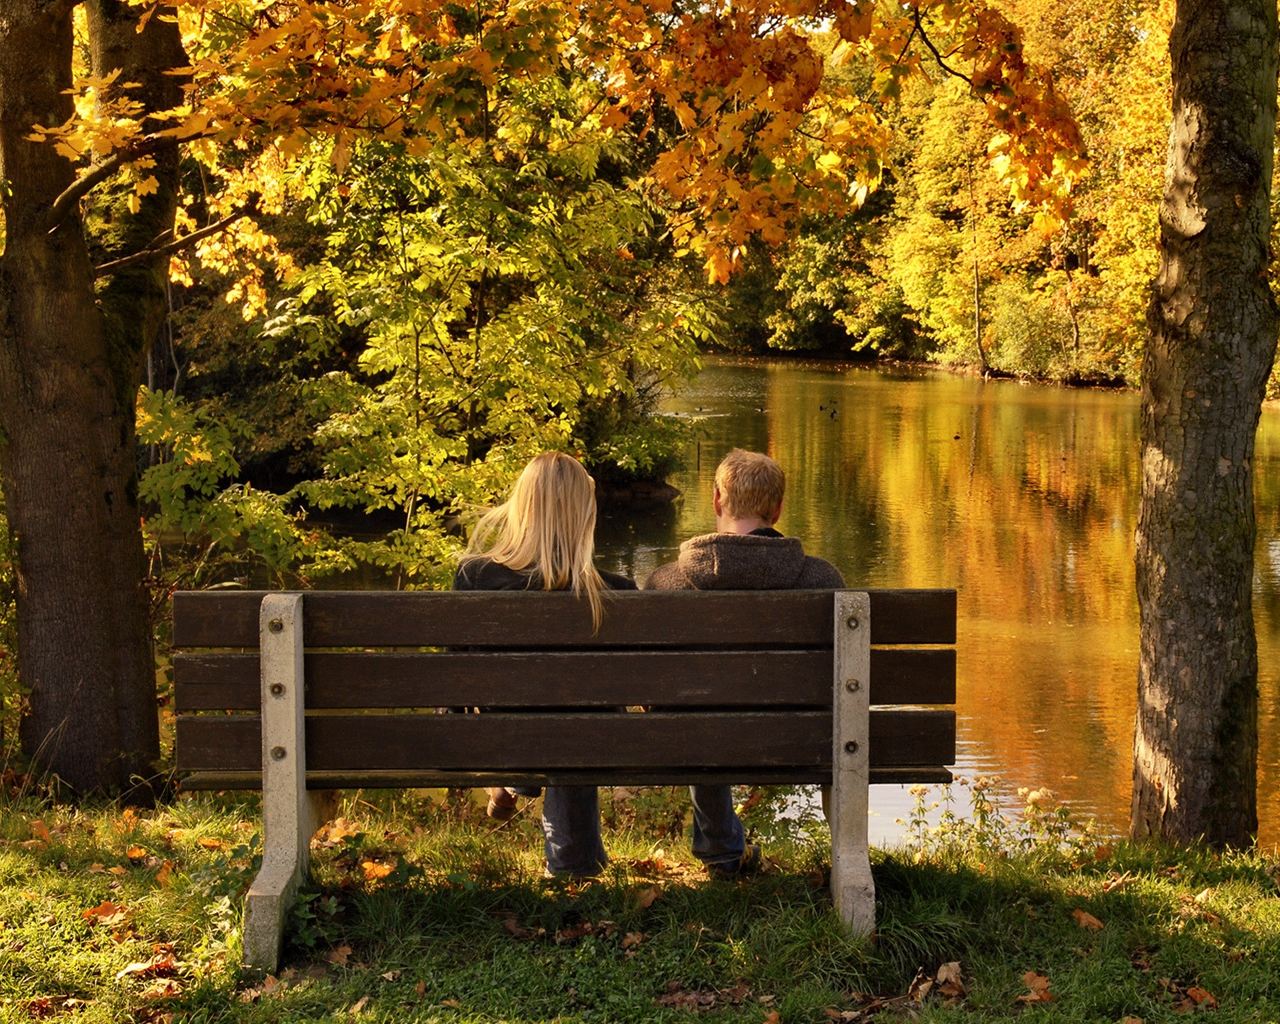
point(543, 538)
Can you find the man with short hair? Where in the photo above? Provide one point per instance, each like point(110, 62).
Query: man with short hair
point(745, 553)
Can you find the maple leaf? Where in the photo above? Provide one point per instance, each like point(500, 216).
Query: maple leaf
point(106, 913)
point(1038, 989)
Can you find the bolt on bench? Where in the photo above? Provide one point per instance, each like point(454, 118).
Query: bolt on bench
point(300, 693)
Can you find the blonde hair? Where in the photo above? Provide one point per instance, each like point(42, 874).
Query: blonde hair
point(546, 526)
point(750, 484)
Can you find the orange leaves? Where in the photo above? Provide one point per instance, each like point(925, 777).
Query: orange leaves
point(1084, 919)
point(1037, 989)
point(106, 913)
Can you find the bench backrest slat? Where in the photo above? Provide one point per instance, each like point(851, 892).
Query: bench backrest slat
point(796, 618)
point(214, 682)
point(494, 741)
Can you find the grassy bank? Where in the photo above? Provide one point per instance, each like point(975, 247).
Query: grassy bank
point(423, 910)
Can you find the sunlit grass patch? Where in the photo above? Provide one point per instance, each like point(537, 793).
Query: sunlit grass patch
point(422, 909)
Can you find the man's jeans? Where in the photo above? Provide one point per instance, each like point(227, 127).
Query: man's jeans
point(717, 832)
point(571, 828)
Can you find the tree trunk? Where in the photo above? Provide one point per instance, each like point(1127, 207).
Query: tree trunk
point(69, 368)
point(1213, 324)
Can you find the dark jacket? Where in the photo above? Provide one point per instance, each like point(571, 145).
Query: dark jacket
point(763, 560)
point(486, 574)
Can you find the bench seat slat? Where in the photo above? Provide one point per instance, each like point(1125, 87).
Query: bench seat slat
point(551, 740)
point(215, 682)
point(797, 618)
point(201, 781)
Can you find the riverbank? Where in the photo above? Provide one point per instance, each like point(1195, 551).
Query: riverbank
point(424, 910)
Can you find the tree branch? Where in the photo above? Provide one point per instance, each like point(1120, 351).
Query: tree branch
point(81, 187)
point(915, 14)
point(177, 245)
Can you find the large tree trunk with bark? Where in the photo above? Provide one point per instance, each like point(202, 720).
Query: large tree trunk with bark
point(70, 362)
point(1213, 324)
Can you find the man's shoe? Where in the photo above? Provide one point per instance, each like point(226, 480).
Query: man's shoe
point(745, 866)
point(502, 804)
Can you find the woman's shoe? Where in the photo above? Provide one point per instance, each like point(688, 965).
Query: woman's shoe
point(750, 863)
point(502, 804)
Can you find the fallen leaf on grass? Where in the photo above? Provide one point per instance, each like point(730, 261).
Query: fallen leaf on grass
point(646, 897)
point(949, 983)
point(773, 1018)
point(390, 976)
point(358, 1007)
point(375, 870)
point(164, 988)
point(574, 932)
point(1084, 919)
point(339, 955)
point(453, 1004)
point(1200, 997)
point(335, 832)
point(106, 913)
point(269, 985)
point(162, 875)
point(41, 1007)
point(40, 831)
point(516, 930)
point(633, 939)
point(211, 843)
point(1132, 1020)
point(420, 989)
point(678, 997)
point(136, 853)
point(1037, 989)
point(920, 987)
point(157, 967)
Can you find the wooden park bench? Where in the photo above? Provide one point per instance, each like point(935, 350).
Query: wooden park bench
point(299, 693)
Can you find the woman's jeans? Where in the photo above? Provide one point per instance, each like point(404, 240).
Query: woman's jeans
point(571, 827)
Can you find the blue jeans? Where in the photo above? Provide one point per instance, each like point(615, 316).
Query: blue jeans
point(717, 833)
point(571, 830)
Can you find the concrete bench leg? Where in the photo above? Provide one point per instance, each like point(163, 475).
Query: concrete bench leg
point(289, 813)
point(852, 888)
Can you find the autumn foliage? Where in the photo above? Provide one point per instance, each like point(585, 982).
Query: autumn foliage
point(747, 124)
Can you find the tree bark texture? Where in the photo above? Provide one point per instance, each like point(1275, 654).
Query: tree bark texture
point(70, 362)
point(1213, 324)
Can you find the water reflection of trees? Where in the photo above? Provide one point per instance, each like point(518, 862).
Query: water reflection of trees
point(1025, 500)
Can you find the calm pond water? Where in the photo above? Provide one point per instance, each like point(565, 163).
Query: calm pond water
point(1022, 497)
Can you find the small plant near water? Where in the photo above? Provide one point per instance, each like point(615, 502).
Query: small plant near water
point(421, 909)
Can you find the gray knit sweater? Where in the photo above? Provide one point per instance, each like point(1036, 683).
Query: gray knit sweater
point(731, 561)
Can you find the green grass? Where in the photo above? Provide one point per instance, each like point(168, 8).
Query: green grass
point(421, 910)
